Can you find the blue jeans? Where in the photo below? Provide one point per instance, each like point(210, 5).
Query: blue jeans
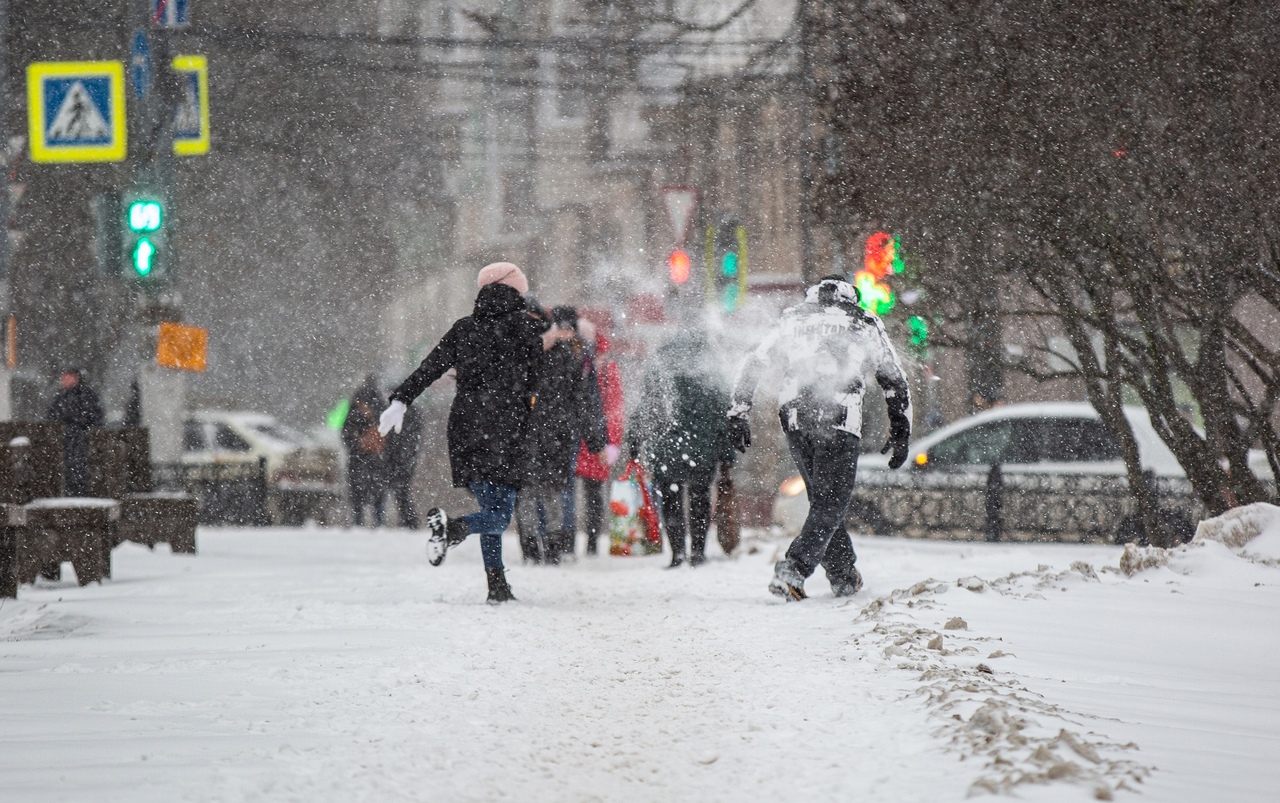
point(497, 504)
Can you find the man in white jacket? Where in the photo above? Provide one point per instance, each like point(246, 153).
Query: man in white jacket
point(827, 347)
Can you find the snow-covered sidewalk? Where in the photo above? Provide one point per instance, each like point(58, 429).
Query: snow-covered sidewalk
point(337, 665)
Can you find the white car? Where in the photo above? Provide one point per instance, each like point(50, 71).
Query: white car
point(303, 478)
point(1060, 477)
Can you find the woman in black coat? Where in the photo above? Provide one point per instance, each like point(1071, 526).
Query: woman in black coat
point(496, 352)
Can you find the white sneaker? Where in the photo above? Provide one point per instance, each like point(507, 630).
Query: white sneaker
point(787, 582)
point(437, 543)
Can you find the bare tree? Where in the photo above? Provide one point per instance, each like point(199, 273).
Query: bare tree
point(1112, 162)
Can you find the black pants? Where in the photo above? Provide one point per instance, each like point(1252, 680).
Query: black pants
point(828, 461)
point(404, 503)
point(672, 496)
point(593, 508)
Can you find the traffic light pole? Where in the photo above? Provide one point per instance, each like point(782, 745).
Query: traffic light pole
point(162, 392)
point(6, 375)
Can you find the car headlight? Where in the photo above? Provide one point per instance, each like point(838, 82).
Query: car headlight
point(792, 486)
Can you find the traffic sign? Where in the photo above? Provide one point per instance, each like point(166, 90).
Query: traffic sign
point(183, 347)
point(191, 121)
point(76, 111)
point(681, 202)
point(140, 72)
point(170, 13)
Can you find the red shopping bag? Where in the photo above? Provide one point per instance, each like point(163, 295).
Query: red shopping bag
point(633, 522)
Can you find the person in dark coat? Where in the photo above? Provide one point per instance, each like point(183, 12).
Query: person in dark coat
point(680, 429)
point(76, 406)
point(595, 469)
point(496, 353)
point(568, 411)
point(366, 460)
point(402, 460)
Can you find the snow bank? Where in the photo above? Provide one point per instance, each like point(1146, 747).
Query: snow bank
point(1251, 532)
point(1020, 738)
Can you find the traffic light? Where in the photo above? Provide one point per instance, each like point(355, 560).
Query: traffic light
point(881, 259)
point(678, 262)
point(146, 258)
point(918, 334)
point(727, 264)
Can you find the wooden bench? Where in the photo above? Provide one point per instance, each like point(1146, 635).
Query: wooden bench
point(51, 528)
point(120, 468)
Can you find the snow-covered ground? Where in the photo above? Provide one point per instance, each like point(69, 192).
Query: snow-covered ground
point(337, 665)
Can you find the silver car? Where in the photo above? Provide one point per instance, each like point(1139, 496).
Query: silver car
point(302, 477)
point(1019, 472)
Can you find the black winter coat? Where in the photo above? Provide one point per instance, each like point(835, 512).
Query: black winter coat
point(366, 468)
point(568, 411)
point(78, 410)
point(402, 449)
point(496, 352)
point(681, 417)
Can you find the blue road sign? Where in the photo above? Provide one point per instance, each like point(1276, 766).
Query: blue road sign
point(76, 111)
point(170, 13)
point(140, 71)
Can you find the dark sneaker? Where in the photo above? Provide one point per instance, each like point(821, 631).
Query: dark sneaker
point(437, 539)
point(847, 587)
point(697, 560)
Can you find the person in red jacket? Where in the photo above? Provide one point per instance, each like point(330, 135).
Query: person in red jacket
point(594, 469)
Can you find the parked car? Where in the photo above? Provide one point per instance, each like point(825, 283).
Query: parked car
point(1060, 477)
point(303, 476)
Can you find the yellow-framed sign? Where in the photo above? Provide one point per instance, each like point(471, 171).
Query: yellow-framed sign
point(191, 121)
point(76, 111)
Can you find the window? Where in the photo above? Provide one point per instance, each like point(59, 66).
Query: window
point(1072, 440)
point(228, 440)
point(279, 432)
point(193, 437)
point(983, 445)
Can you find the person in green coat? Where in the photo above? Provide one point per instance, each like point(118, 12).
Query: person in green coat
point(681, 431)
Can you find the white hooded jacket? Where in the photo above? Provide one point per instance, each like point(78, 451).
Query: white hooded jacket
point(827, 347)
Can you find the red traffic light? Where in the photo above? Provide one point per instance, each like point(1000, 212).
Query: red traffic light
point(678, 262)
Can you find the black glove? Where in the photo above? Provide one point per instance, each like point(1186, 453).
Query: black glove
point(899, 442)
point(739, 433)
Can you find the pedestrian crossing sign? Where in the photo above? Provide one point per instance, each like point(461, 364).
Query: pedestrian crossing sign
point(191, 121)
point(75, 111)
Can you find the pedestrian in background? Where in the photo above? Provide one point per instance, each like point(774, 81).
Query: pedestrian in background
point(681, 432)
point(366, 461)
point(567, 412)
point(594, 469)
point(402, 461)
point(496, 353)
point(77, 407)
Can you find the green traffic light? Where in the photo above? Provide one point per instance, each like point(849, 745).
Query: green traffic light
point(729, 265)
point(144, 254)
point(919, 329)
point(145, 216)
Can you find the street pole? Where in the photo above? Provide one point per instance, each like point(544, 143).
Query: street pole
point(6, 376)
point(162, 391)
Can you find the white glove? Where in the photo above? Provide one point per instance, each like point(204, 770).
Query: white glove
point(392, 418)
point(611, 453)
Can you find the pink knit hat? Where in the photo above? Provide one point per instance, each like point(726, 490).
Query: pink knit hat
point(503, 273)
